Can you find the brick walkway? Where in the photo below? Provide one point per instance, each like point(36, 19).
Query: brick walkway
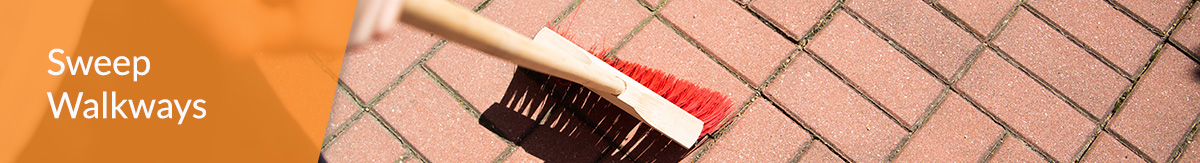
point(813, 81)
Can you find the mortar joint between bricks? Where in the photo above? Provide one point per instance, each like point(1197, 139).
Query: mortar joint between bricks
point(407, 70)
point(715, 136)
point(800, 46)
point(996, 119)
point(1082, 151)
point(343, 88)
point(612, 53)
point(804, 148)
point(896, 45)
point(1075, 40)
point(984, 44)
point(453, 93)
point(861, 92)
point(1125, 142)
point(929, 111)
point(1181, 145)
point(807, 128)
point(1044, 84)
point(705, 50)
point(987, 156)
point(1118, 106)
point(396, 134)
point(1184, 142)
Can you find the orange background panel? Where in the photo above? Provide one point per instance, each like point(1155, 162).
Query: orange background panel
point(267, 70)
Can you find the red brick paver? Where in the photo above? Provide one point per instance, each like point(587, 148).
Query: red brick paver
point(366, 141)
point(653, 4)
point(921, 29)
point(836, 111)
point(1162, 108)
point(524, 17)
point(983, 16)
point(1107, 149)
point(734, 36)
point(875, 82)
point(602, 23)
point(454, 137)
point(870, 63)
point(818, 152)
point(761, 134)
point(1084, 79)
point(1013, 150)
point(1191, 155)
point(481, 78)
point(468, 3)
point(794, 16)
point(1160, 13)
point(955, 133)
point(384, 60)
point(1029, 108)
point(343, 108)
point(519, 155)
point(1188, 32)
point(1122, 41)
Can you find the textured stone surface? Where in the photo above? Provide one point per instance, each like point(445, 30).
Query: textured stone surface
point(983, 16)
point(519, 155)
point(1192, 154)
point(1052, 57)
point(1029, 108)
point(795, 17)
point(920, 29)
point(1122, 41)
point(371, 67)
point(1107, 149)
point(652, 4)
point(1188, 32)
point(1159, 13)
point(818, 152)
point(602, 23)
point(833, 109)
point(455, 137)
point(732, 34)
point(522, 16)
point(343, 108)
point(1162, 107)
point(546, 121)
point(1013, 150)
point(469, 4)
point(762, 133)
point(366, 141)
point(481, 79)
point(874, 66)
point(957, 132)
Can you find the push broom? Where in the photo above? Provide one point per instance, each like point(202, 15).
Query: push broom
point(679, 109)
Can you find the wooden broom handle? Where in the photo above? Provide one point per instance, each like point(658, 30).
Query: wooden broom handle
point(465, 27)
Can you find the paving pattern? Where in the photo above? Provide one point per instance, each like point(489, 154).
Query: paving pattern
point(812, 81)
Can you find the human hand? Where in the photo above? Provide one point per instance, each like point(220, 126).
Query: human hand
point(373, 18)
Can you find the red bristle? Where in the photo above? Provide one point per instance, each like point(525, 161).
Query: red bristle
point(705, 104)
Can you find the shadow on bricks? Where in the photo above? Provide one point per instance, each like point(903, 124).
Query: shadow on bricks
point(559, 121)
point(1196, 75)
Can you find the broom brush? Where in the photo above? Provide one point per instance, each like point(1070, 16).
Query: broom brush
point(681, 110)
